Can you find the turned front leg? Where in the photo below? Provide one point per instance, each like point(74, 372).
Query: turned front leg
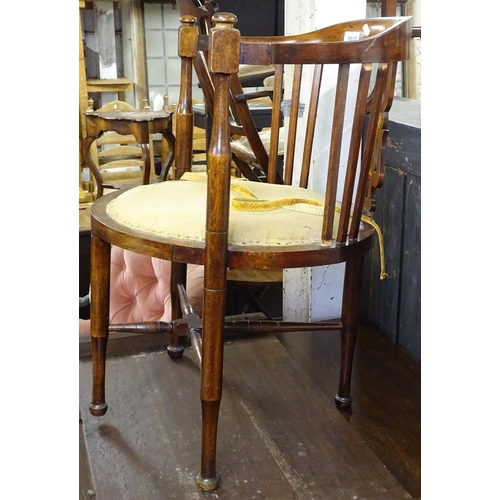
point(349, 332)
point(224, 61)
point(211, 384)
point(100, 258)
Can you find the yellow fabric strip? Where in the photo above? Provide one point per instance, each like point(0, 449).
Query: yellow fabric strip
point(256, 205)
point(375, 226)
point(312, 207)
point(194, 176)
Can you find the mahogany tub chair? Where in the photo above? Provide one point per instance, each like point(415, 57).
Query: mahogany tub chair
point(222, 222)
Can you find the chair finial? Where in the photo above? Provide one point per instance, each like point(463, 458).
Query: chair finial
point(145, 105)
point(188, 20)
point(224, 20)
point(90, 104)
point(224, 44)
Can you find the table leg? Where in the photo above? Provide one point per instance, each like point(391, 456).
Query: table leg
point(146, 158)
point(85, 152)
point(170, 138)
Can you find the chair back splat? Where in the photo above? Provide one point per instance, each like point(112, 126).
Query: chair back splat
point(342, 82)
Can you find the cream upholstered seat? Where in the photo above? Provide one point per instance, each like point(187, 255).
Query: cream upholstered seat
point(297, 224)
point(261, 214)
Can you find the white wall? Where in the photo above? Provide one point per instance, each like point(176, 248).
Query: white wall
point(314, 294)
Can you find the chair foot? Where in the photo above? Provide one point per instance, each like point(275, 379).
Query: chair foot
point(207, 484)
point(341, 402)
point(98, 410)
point(175, 352)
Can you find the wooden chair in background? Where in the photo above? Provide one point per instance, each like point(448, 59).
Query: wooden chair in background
point(250, 120)
point(250, 111)
point(223, 222)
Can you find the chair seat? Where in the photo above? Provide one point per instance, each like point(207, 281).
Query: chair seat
point(242, 146)
point(167, 215)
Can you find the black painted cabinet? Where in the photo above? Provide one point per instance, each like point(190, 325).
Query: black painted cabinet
point(394, 304)
point(256, 17)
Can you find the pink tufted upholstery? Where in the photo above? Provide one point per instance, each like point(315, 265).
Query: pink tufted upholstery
point(140, 288)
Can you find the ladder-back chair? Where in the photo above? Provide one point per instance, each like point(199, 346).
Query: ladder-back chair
point(223, 222)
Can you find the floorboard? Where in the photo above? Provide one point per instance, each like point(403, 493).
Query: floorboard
point(86, 486)
point(280, 435)
point(386, 408)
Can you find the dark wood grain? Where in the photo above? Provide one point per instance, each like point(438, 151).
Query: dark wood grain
point(386, 381)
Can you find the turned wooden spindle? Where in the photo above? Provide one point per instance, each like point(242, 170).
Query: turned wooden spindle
point(224, 55)
point(145, 105)
point(188, 50)
point(194, 322)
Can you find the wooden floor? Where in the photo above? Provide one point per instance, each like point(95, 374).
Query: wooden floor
point(280, 434)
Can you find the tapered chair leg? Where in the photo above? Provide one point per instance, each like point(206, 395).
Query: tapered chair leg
point(348, 335)
point(211, 385)
point(208, 479)
point(178, 276)
point(99, 314)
